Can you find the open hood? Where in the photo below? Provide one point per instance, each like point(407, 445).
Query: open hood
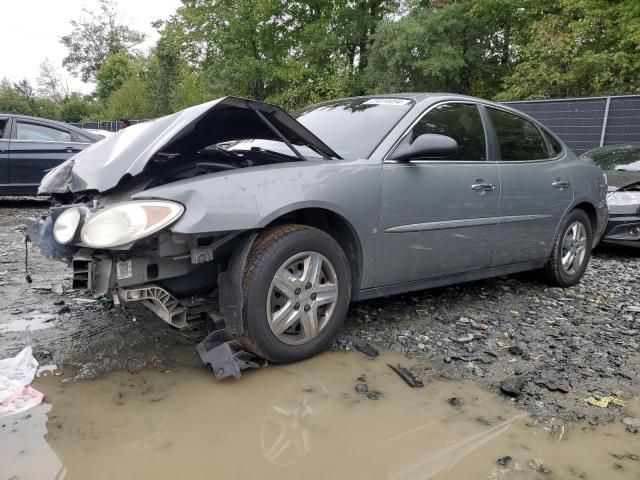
point(101, 166)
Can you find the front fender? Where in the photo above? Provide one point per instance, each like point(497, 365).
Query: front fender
point(251, 198)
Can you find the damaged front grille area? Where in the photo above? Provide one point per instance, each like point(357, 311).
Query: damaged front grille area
point(82, 273)
point(159, 301)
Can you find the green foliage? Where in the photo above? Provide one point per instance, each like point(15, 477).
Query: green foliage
point(75, 108)
point(128, 101)
point(111, 75)
point(96, 36)
point(297, 52)
point(581, 47)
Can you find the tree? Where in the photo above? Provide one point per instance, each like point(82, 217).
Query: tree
point(164, 73)
point(50, 83)
point(581, 47)
point(96, 36)
point(112, 74)
point(75, 108)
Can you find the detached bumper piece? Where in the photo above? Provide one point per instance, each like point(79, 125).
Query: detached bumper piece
point(159, 301)
point(224, 355)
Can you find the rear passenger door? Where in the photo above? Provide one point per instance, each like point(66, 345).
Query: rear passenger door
point(35, 148)
point(536, 187)
point(5, 129)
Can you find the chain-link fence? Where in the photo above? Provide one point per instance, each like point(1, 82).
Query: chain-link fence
point(583, 123)
point(108, 125)
point(589, 122)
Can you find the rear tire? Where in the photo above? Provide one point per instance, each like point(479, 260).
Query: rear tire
point(296, 291)
point(571, 251)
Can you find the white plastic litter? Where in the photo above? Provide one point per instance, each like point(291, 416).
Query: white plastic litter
point(15, 376)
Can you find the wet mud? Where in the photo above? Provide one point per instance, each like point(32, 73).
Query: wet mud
point(305, 420)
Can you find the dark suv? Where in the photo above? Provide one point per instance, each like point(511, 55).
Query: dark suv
point(30, 146)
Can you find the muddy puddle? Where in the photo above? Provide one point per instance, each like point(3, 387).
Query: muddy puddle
point(298, 421)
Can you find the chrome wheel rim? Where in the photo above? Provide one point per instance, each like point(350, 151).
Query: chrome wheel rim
point(574, 248)
point(302, 298)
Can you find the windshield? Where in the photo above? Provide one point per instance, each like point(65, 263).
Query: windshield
point(269, 145)
point(354, 127)
point(621, 162)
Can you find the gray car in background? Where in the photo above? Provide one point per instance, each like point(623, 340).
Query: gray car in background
point(270, 224)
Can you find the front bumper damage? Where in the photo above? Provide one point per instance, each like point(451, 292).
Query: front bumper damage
point(179, 278)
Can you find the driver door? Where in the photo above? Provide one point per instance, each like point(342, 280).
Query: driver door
point(440, 216)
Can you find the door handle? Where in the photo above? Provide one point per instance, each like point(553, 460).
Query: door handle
point(560, 184)
point(480, 186)
point(72, 150)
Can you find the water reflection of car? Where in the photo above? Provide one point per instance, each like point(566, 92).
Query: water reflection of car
point(621, 163)
point(30, 146)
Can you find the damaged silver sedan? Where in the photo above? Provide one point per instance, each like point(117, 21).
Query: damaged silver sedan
point(269, 225)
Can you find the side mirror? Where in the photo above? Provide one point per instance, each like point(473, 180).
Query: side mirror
point(427, 145)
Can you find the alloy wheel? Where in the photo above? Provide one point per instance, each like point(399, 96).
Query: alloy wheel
point(302, 298)
point(574, 248)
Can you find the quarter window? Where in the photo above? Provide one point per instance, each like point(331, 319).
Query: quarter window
point(40, 133)
point(459, 121)
point(519, 139)
point(555, 144)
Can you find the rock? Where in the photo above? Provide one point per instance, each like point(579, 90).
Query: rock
point(455, 401)
point(484, 421)
point(362, 388)
point(58, 302)
point(504, 461)
point(513, 386)
point(537, 465)
point(465, 338)
point(374, 395)
point(632, 429)
point(367, 349)
point(630, 421)
point(515, 350)
point(64, 309)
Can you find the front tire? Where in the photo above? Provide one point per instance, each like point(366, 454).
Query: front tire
point(296, 291)
point(571, 251)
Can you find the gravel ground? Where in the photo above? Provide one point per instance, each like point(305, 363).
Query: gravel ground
point(546, 348)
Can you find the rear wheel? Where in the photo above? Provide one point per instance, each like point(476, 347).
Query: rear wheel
point(571, 251)
point(296, 290)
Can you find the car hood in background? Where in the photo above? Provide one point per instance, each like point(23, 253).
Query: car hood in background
point(102, 165)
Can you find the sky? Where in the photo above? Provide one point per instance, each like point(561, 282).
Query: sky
point(32, 29)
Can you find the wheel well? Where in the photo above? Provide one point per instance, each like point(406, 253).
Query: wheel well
point(336, 226)
point(590, 210)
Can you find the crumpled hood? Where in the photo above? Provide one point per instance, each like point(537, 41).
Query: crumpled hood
point(102, 165)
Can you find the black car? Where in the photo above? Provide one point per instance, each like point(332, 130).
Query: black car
point(621, 163)
point(30, 146)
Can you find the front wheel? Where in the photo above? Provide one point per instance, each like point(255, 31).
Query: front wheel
point(571, 251)
point(296, 291)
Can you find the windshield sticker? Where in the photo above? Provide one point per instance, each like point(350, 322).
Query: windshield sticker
point(387, 101)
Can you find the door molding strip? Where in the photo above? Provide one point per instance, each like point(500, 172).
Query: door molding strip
point(464, 223)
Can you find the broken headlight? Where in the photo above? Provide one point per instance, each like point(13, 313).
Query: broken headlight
point(127, 222)
point(66, 226)
point(623, 198)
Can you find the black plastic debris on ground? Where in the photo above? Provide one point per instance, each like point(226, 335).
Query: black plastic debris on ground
point(408, 376)
point(367, 349)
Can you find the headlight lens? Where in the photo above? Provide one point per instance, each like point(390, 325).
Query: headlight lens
point(128, 222)
point(623, 198)
point(66, 225)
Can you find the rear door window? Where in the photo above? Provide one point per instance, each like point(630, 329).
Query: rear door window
point(3, 123)
point(40, 133)
point(460, 121)
point(518, 138)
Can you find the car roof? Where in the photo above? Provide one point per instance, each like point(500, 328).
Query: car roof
point(426, 98)
point(80, 131)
